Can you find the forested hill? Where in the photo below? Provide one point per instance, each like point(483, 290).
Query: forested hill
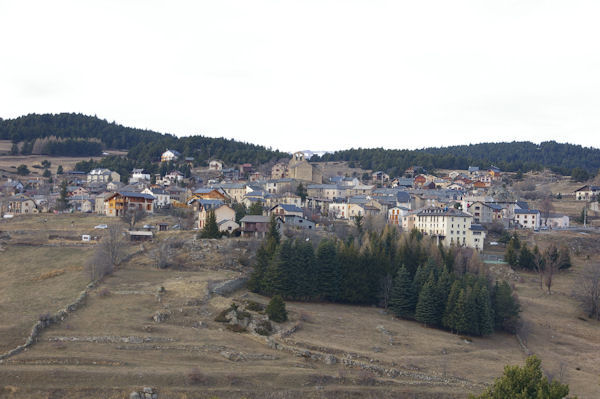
point(143, 145)
point(515, 156)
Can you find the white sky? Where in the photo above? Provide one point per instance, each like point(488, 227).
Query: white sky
point(312, 74)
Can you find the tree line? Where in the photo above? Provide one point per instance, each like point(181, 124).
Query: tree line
point(566, 159)
point(413, 277)
point(145, 146)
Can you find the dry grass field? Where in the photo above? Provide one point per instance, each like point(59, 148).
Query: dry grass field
point(112, 345)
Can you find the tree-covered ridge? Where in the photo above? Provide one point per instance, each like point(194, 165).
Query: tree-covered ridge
point(143, 145)
point(514, 156)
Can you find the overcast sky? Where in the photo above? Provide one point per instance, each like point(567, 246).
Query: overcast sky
point(319, 75)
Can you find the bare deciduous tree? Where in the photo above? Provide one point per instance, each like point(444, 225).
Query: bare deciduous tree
point(587, 290)
point(546, 208)
point(133, 215)
point(550, 266)
point(386, 290)
point(161, 255)
point(109, 253)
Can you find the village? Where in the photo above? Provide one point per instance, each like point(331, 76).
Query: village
point(456, 207)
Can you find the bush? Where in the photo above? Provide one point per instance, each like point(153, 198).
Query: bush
point(236, 328)
point(255, 306)
point(264, 327)
point(276, 309)
point(222, 316)
point(196, 377)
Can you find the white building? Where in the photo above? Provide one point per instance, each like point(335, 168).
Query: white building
point(527, 218)
point(138, 175)
point(102, 176)
point(170, 155)
point(451, 227)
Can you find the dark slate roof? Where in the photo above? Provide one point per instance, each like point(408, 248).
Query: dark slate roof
point(477, 227)
point(522, 204)
point(443, 212)
point(526, 211)
point(289, 207)
point(135, 195)
point(256, 219)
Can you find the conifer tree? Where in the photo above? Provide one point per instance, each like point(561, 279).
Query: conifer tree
point(484, 312)
point(305, 271)
point(448, 319)
point(459, 313)
point(276, 309)
point(526, 258)
point(419, 280)
point(426, 310)
point(211, 228)
point(402, 300)
point(277, 275)
point(328, 271)
point(506, 308)
point(256, 282)
point(471, 318)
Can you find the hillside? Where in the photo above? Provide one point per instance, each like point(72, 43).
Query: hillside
point(73, 130)
point(514, 156)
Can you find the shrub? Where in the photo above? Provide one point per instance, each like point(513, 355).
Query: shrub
point(255, 306)
point(264, 327)
point(236, 328)
point(196, 377)
point(276, 309)
point(222, 316)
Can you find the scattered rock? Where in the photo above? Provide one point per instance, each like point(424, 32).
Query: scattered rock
point(161, 316)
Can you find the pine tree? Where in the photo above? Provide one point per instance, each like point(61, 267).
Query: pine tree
point(443, 287)
point(506, 308)
point(304, 265)
point(211, 228)
point(402, 300)
point(526, 258)
point(419, 280)
point(564, 259)
point(278, 276)
point(328, 271)
point(59, 170)
point(471, 319)
point(276, 309)
point(273, 232)
point(526, 382)
point(484, 312)
point(459, 313)
point(256, 283)
point(426, 310)
point(448, 320)
point(62, 203)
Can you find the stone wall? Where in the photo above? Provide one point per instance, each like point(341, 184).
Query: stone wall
point(47, 321)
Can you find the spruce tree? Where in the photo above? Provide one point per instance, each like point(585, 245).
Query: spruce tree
point(305, 271)
point(278, 273)
point(256, 283)
point(448, 319)
point(426, 310)
point(276, 309)
point(506, 308)
point(211, 228)
point(471, 318)
point(484, 312)
point(419, 280)
point(328, 271)
point(402, 299)
point(459, 313)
